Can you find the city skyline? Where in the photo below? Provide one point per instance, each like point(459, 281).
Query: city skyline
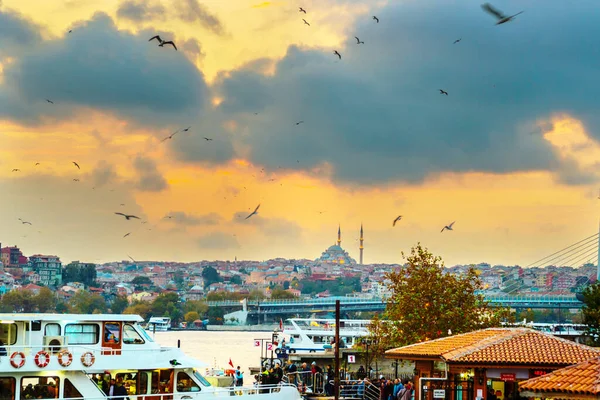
point(276, 119)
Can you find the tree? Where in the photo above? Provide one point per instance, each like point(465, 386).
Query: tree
point(142, 309)
point(286, 285)
point(21, 300)
point(191, 316)
point(591, 312)
point(197, 306)
point(161, 305)
point(45, 300)
point(141, 281)
point(84, 302)
point(210, 276)
point(427, 303)
point(279, 293)
point(236, 280)
point(119, 304)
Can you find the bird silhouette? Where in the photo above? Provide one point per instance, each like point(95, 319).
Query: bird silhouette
point(162, 42)
point(25, 222)
point(50, 101)
point(186, 129)
point(127, 216)
point(337, 54)
point(77, 165)
point(170, 136)
point(398, 218)
point(37, 163)
point(127, 234)
point(375, 18)
point(168, 42)
point(75, 180)
point(358, 40)
point(16, 170)
point(302, 10)
point(207, 139)
point(448, 227)
point(253, 212)
point(306, 23)
point(131, 258)
point(443, 92)
point(299, 122)
point(457, 40)
point(498, 14)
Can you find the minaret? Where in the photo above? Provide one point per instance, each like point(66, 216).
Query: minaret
point(361, 244)
point(339, 242)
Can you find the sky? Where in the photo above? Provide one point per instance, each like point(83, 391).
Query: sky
point(275, 118)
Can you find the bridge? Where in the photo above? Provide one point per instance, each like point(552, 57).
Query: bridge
point(350, 304)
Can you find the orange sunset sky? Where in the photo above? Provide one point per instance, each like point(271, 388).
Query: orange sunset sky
point(511, 153)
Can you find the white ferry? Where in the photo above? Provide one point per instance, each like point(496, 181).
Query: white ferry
point(316, 335)
point(70, 356)
point(159, 324)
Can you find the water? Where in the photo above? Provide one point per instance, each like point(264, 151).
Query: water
point(216, 348)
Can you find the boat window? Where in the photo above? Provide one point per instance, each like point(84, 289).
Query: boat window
point(71, 391)
point(129, 380)
point(185, 383)
point(112, 332)
point(82, 333)
point(52, 330)
point(36, 326)
point(7, 388)
point(202, 379)
point(143, 383)
point(8, 334)
point(145, 334)
point(162, 381)
point(40, 387)
point(131, 336)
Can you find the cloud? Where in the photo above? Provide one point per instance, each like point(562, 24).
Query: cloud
point(141, 11)
point(182, 218)
point(193, 48)
point(193, 11)
point(377, 116)
point(101, 67)
point(271, 227)
point(217, 241)
point(103, 173)
point(17, 33)
point(150, 179)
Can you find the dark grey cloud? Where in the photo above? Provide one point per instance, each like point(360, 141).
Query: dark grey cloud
point(101, 67)
point(149, 178)
point(218, 241)
point(141, 10)
point(17, 33)
point(194, 11)
point(183, 218)
point(377, 115)
point(103, 173)
point(192, 48)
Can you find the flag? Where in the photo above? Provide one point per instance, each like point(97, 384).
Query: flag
point(231, 363)
point(280, 324)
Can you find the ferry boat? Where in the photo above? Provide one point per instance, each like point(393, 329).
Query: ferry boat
point(96, 356)
point(159, 324)
point(316, 335)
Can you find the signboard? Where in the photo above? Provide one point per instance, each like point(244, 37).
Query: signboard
point(257, 343)
point(270, 347)
point(439, 393)
point(538, 372)
point(351, 358)
point(508, 377)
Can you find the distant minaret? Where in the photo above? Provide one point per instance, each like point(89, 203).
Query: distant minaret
point(339, 242)
point(361, 244)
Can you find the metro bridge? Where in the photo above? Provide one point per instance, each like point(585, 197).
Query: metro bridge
point(349, 304)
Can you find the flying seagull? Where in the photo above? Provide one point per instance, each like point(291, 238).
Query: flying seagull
point(75, 180)
point(186, 129)
point(253, 212)
point(207, 139)
point(358, 40)
point(127, 234)
point(75, 164)
point(37, 163)
point(127, 217)
point(299, 122)
point(375, 18)
point(131, 258)
point(168, 42)
point(16, 170)
point(170, 136)
point(443, 92)
point(25, 222)
point(162, 42)
point(302, 10)
point(50, 101)
point(398, 218)
point(337, 54)
point(448, 227)
point(498, 14)
point(457, 40)
point(306, 23)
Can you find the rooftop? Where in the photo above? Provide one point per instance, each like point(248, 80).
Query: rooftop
point(499, 346)
point(582, 379)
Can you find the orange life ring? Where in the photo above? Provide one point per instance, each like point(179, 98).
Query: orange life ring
point(88, 359)
point(13, 358)
point(61, 358)
point(42, 358)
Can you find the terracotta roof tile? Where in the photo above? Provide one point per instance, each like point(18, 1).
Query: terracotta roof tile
point(582, 378)
point(500, 346)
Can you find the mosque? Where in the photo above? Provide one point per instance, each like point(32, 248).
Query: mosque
point(336, 255)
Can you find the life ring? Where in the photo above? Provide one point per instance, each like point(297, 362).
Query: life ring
point(88, 359)
point(13, 358)
point(42, 358)
point(61, 358)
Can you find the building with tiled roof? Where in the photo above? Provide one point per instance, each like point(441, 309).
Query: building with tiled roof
point(490, 360)
point(579, 381)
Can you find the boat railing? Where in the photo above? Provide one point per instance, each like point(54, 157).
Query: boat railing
point(306, 381)
point(74, 349)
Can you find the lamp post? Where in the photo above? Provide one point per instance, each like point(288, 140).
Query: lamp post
point(367, 343)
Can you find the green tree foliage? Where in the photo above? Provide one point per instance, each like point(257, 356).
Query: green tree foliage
point(236, 280)
point(215, 315)
point(191, 316)
point(427, 303)
point(141, 282)
point(337, 287)
point(160, 305)
point(178, 279)
point(256, 295)
point(223, 295)
point(286, 285)
point(84, 302)
point(279, 293)
point(19, 301)
point(119, 304)
point(77, 272)
point(210, 276)
point(45, 301)
point(143, 309)
point(197, 306)
point(591, 312)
